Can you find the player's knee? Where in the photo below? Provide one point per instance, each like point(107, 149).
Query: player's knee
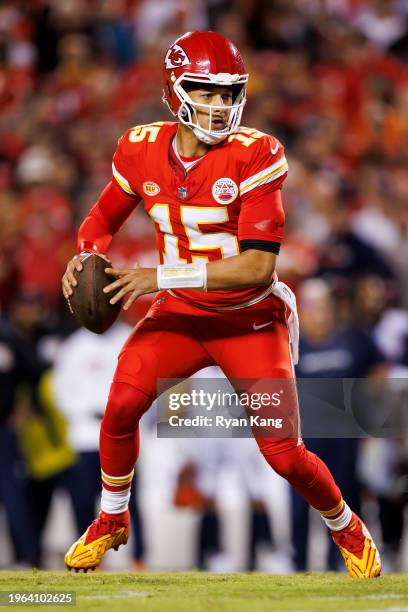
point(124, 409)
point(296, 465)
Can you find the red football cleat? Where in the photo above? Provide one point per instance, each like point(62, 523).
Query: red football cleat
point(358, 549)
point(106, 531)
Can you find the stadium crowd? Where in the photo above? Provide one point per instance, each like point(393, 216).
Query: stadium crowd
point(329, 78)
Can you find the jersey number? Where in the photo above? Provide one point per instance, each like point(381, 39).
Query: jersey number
point(191, 218)
point(149, 131)
point(246, 136)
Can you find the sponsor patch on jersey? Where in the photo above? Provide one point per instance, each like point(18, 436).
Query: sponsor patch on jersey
point(224, 190)
point(176, 57)
point(150, 188)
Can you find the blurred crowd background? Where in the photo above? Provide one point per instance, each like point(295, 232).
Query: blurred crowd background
point(329, 78)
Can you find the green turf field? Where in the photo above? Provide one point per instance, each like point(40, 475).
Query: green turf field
point(201, 592)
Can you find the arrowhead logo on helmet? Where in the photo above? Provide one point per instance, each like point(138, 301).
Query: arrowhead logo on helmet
point(176, 57)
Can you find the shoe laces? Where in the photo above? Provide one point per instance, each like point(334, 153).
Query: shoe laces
point(351, 538)
point(101, 526)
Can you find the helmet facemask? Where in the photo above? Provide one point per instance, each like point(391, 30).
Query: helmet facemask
point(188, 111)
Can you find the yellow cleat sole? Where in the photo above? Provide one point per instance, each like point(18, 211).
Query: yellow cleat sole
point(96, 562)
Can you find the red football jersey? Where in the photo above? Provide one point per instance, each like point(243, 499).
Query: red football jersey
point(227, 202)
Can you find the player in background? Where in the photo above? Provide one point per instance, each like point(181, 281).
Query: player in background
point(213, 190)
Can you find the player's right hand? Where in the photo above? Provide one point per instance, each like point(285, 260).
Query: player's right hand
point(75, 264)
point(68, 280)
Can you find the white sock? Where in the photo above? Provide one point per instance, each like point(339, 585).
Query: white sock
point(115, 503)
point(340, 521)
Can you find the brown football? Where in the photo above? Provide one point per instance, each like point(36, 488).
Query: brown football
point(88, 303)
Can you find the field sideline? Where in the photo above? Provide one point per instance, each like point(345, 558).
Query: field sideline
point(182, 592)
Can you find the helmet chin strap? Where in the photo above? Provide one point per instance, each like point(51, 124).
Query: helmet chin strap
point(210, 137)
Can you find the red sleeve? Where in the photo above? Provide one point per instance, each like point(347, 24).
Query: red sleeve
point(261, 220)
point(105, 218)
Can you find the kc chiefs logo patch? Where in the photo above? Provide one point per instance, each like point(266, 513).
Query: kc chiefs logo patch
point(224, 191)
point(176, 57)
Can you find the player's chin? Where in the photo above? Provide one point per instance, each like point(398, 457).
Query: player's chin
point(218, 126)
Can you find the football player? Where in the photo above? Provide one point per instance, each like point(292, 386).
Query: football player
point(213, 191)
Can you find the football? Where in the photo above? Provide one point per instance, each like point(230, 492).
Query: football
point(88, 303)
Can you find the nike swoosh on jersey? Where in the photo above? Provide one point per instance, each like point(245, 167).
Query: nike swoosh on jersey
point(256, 327)
point(275, 149)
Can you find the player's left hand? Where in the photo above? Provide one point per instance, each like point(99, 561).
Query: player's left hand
point(136, 281)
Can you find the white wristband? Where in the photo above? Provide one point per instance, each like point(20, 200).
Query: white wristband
point(182, 276)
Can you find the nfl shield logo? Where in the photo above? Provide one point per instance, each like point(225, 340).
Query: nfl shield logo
point(182, 193)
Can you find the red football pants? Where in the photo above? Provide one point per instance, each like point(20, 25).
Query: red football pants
point(175, 340)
